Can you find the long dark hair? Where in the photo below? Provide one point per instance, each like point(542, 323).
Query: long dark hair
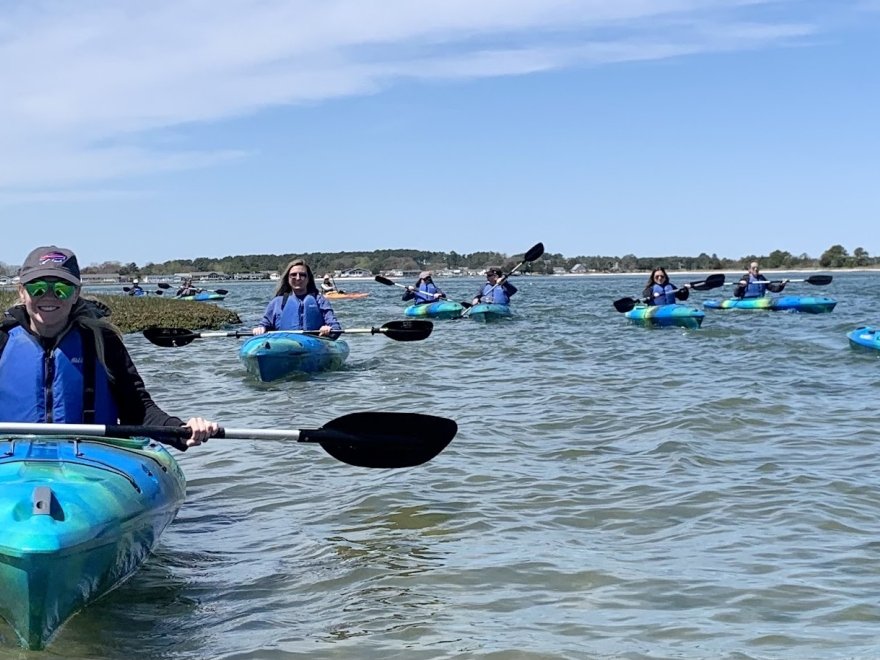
point(284, 285)
point(654, 272)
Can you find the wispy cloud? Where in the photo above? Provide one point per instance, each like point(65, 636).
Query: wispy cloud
point(85, 84)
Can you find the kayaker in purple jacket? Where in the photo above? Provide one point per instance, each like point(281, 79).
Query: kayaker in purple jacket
point(660, 291)
point(297, 305)
point(62, 361)
point(424, 291)
point(496, 289)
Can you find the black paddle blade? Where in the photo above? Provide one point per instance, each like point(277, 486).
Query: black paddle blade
point(383, 439)
point(406, 330)
point(465, 304)
point(168, 337)
point(818, 279)
point(222, 292)
point(711, 282)
point(163, 285)
point(534, 252)
point(625, 304)
point(126, 289)
point(384, 280)
point(159, 292)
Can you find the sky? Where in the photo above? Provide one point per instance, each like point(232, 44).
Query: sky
point(147, 131)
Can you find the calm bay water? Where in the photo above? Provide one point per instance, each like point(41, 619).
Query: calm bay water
point(613, 492)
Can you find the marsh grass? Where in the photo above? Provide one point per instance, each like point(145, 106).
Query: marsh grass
point(133, 314)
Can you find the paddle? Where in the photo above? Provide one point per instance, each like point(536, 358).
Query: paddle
point(815, 280)
point(165, 285)
point(531, 254)
point(711, 282)
point(386, 281)
point(364, 439)
point(127, 289)
point(413, 330)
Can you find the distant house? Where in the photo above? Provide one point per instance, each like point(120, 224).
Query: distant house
point(356, 272)
point(578, 268)
point(102, 278)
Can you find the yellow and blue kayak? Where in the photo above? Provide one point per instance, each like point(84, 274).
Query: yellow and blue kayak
point(489, 312)
point(78, 516)
point(442, 309)
point(804, 304)
point(664, 316)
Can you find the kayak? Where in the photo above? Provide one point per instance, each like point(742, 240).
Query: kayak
point(864, 337)
point(805, 304)
point(443, 309)
point(334, 295)
point(663, 316)
point(487, 312)
point(77, 518)
point(203, 295)
point(275, 355)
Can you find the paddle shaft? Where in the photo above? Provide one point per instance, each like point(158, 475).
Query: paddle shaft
point(156, 432)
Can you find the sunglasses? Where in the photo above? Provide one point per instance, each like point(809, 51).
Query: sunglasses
point(38, 288)
point(298, 276)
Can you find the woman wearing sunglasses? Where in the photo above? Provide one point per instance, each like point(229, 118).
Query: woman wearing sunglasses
point(424, 291)
point(298, 305)
point(62, 361)
point(660, 291)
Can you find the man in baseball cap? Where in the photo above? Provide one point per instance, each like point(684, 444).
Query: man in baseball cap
point(50, 261)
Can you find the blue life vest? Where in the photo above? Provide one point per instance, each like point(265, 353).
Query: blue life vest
point(37, 386)
point(299, 314)
point(430, 289)
point(666, 297)
point(498, 296)
point(755, 288)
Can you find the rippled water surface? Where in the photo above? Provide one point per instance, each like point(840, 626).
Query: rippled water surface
point(613, 491)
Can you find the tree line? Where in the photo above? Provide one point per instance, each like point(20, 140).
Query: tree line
point(379, 261)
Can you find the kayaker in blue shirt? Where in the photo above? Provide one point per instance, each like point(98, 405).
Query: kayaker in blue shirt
point(136, 289)
point(660, 291)
point(62, 361)
point(297, 305)
point(754, 285)
point(496, 290)
point(424, 291)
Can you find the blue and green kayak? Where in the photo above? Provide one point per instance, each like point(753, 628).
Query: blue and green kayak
point(489, 312)
point(203, 296)
point(864, 337)
point(276, 355)
point(804, 304)
point(443, 309)
point(77, 517)
point(663, 316)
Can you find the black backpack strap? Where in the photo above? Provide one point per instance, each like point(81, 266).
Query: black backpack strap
point(90, 358)
point(284, 301)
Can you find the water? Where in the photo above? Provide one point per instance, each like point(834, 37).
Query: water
point(613, 491)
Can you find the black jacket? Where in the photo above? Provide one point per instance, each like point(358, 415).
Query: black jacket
point(134, 403)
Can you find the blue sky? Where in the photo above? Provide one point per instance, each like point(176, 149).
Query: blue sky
point(136, 131)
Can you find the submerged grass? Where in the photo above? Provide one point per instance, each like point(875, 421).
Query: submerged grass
point(133, 314)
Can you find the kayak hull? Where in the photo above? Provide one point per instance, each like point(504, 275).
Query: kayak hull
point(489, 312)
point(664, 316)
point(77, 518)
point(345, 296)
point(203, 296)
point(444, 309)
point(803, 304)
point(276, 355)
point(865, 337)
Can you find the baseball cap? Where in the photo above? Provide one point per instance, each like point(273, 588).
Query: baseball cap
point(50, 261)
point(425, 274)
